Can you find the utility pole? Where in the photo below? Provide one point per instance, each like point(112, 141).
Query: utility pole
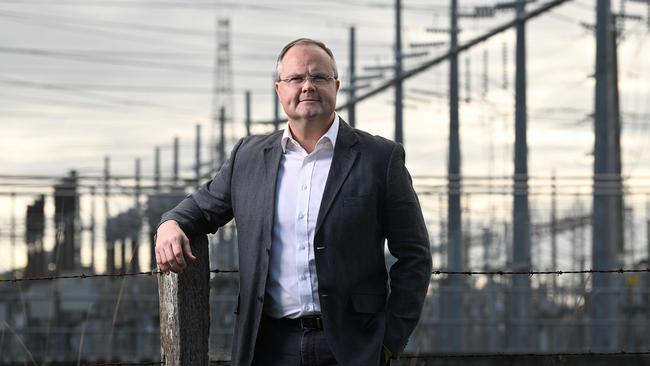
point(520, 340)
point(135, 240)
point(138, 187)
point(93, 234)
point(452, 300)
point(152, 229)
point(221, 237)
point(248, 112)
point(647, 218)
point(12, 235)
point(222, 136)
point(156, 169)
point(175, 162)
point(110, 245)
point(399, 136)
point(197, 156)
point(647, 259)
point(123, 255)
point(442, 230)
point(607, 198)
point(554, 231)
point(352, 114)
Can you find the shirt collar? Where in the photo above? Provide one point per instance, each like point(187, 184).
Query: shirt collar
point(331, 135)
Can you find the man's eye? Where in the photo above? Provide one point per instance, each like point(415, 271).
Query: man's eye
point(296, 80)
point(319, 79)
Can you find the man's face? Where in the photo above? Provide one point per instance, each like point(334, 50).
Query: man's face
point(308, 101)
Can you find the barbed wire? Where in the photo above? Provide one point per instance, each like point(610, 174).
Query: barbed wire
point(217, 271)
point(621, 353)
point(435, 273)
point(81, 275)
point(510, 355)
point(531, 273)
point(124, 363)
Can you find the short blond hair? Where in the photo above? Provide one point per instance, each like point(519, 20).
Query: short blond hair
point(304, 41)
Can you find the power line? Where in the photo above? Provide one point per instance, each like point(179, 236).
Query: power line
point(83, 29)
point(70, 89)
point(108, 60)
point(100, 25)
point(461, 48)
point(202, 5)
point(173, 89)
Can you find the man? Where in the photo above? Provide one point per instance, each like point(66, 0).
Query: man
point(314, 205)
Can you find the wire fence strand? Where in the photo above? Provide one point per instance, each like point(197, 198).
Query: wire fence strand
point(621, 353)
point(433, 273)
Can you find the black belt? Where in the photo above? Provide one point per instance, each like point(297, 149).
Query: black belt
point(313, 322)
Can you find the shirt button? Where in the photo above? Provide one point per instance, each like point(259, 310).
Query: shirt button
point(302, 277)
point(302, 247)
point(301, 216)
point(304, 188)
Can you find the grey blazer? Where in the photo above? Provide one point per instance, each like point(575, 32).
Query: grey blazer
point(368, 199)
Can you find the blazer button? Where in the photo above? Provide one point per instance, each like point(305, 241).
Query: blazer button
point(260, 298)
point(268, 250)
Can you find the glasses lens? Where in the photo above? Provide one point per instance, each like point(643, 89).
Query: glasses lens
point(319, 79)
point(296, 80)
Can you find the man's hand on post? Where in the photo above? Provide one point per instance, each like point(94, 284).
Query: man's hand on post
point(172, 247)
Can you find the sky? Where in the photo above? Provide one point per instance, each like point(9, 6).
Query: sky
point(81, 80)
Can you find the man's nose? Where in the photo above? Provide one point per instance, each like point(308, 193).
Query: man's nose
point(308, 84)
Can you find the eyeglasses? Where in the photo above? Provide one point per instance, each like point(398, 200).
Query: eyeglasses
point(298, 80)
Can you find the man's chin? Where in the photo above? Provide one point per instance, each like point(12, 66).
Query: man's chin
point(310, 114)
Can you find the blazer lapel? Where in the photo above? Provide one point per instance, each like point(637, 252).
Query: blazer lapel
point(272, 156)
point(342, 162)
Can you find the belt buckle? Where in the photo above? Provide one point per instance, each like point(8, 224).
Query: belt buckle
point(311, 322)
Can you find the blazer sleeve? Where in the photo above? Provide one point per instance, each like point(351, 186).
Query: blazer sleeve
point(209, 207)
point(408, 242)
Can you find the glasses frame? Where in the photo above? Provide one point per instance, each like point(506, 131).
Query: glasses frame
point(317, 80)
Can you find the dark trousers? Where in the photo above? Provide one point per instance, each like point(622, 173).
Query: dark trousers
point(281, 343)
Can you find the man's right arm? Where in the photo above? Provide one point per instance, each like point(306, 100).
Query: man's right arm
point(202, 212)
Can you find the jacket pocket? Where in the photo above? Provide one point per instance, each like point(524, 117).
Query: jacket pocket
point(368, 303)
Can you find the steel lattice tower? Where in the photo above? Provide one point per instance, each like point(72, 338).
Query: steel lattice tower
point(223, 91)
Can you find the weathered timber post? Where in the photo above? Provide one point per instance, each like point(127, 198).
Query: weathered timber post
point(185, 310)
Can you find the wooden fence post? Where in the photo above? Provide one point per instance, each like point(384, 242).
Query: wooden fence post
point(185, 310)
